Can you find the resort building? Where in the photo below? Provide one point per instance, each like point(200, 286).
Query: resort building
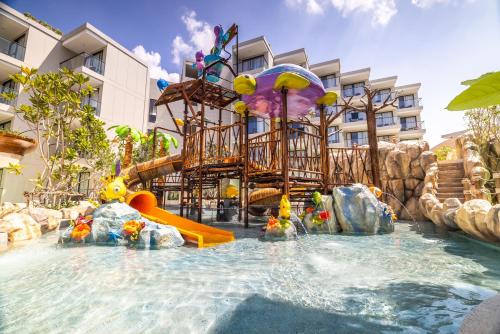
point(121, 81)
point(402, 122)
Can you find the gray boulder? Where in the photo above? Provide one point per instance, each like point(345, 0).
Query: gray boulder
point(359, 211)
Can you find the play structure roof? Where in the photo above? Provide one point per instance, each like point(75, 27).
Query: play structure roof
point(215, 95)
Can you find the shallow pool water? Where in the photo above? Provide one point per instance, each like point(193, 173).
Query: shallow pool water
point(413, 281)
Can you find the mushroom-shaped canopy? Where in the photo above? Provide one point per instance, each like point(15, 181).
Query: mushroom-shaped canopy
point(262, 93)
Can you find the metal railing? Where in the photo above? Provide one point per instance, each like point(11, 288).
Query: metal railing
point(413, 126)
point(386, 121)
point(357, 142)
point(93, 103)
point(12, 48)
point(91, 62)
point(380, 98)
point(403, 104)
point(5, 89)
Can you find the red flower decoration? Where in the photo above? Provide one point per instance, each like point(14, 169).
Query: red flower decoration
point(324, 215)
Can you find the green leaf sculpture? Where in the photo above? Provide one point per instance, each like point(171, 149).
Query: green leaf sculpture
point(482, 92)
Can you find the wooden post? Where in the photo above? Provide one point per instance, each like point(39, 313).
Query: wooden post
point(372, 141)
point(184, 136)
point(323, 129)
point(245, 176)
point(284, 142)
point(201, 153)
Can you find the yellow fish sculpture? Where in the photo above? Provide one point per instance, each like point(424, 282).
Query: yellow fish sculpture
point(285, 207)
point(114, 187)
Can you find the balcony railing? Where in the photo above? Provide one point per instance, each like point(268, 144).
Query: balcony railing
point(5, 89)
point(361, 116)
point(403, 104)
point(329, 81)
point(91, 62)
point(12, 49)
point(386, 121)
point(251, 64)
point(413, 126)
point(358, 142)
point(93, 103)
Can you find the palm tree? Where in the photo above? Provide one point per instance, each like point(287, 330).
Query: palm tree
point(165, 141)
point(128, 136)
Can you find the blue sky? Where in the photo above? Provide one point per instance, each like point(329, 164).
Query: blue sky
point(436, 42)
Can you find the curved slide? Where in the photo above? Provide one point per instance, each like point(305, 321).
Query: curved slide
point(202, 235)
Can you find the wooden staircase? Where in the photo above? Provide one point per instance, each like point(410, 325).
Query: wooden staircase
point(450, 178)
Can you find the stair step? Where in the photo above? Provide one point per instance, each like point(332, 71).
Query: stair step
point(449, 179)
point(452, 172)
point(450, 189)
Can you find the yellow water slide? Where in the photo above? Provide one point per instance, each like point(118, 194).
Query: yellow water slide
point(202, 235)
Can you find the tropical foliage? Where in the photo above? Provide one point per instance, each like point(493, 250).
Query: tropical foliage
point(482, 92)
point(65, 129)
point(442, 152)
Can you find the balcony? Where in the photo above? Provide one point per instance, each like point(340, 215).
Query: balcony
point(386, 121)
point(381, 98)
point(414, 126)
point(12, 49)
point(407, 104)
point(4, 89)
point(93, 103)
point(86, 60)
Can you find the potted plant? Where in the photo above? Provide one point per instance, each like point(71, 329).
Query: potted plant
point(15, 143)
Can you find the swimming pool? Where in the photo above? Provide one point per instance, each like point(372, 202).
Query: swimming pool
point(413, 280)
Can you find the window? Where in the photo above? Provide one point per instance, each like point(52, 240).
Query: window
point(329, 81)
point(5, 125)
point(333, 135)
point(329, 110)
point(252, 64)
point(407, 101)
point(299, 133)
point(354, 89)
point(95, 62)
point(83, 186)
point(409, 123)
point(16, 48)
point(355, 116)
point(92, 101)
point(384, 119)
point(256, 125)
point(382, 95)
point(357, 138)
point(8, 86)
point(152, 111)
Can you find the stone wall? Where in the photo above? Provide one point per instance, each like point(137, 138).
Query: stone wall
point(477, 216)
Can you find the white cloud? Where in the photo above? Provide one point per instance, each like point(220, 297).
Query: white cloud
point(381, 11)
point(427, 3)
point(153, 60)
point(201, 37)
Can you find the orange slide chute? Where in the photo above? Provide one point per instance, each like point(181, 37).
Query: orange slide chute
point(204, 236)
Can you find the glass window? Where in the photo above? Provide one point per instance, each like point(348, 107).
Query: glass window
point(354, 89)
point(84, 183)
point(408, 123)
point(333, 135)
point(355, 116)
point(382, 95)
point(407, 101)
point(329, 81)
point(357, 138)
point(296, 134)
point(256, 125)
point(384, 118)
point(152, 111)
point(252, 64)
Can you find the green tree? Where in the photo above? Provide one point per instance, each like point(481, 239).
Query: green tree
point(164, 142)
point(127, 137)
point(65, 129)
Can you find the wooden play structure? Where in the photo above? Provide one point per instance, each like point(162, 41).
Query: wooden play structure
point(292, 157)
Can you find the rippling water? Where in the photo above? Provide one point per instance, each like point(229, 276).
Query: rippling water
point(411, 281)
